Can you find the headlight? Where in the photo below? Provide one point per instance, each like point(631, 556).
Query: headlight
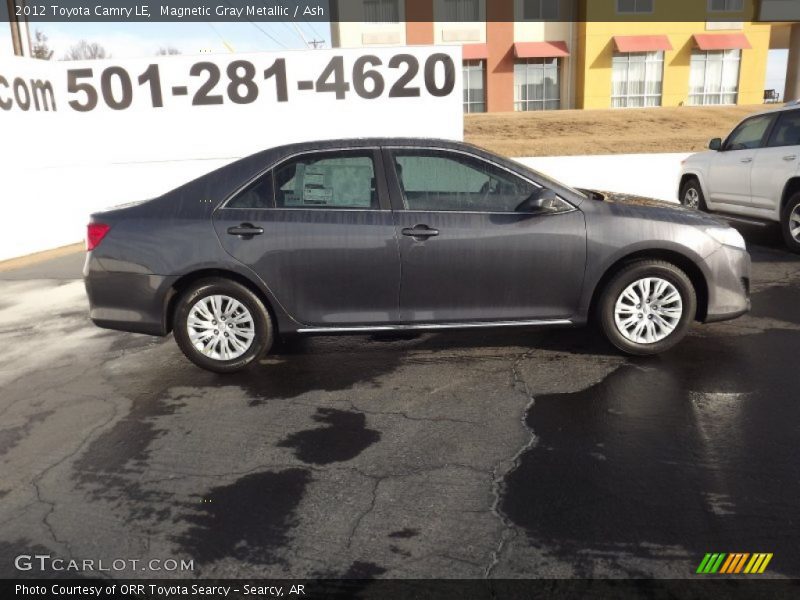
point(727, 236)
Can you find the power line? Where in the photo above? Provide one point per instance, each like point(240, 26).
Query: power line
point(254, 24)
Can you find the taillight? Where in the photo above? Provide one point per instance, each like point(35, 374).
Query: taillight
point(95, 233)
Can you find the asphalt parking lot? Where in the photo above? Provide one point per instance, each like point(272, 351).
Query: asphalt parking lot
point(501, 454)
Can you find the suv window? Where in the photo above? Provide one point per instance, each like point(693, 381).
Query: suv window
point(258, 194)
point(340, 179)
point(749, 134)
point(436, 180)
point(787, 131)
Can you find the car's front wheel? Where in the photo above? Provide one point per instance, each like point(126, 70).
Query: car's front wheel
point(221, 325)
point(692, 195)
point(790, 223)
point(647, 307)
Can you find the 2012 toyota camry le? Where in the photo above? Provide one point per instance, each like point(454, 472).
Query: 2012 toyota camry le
point(358, 236)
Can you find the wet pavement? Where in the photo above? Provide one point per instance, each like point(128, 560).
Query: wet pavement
point(500, 454)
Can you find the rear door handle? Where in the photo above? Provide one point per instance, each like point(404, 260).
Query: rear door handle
point(245, 230)
point(420, 231)
point(790, 157)
point(747, 160)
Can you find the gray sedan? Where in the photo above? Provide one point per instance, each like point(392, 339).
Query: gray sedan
point(357, 236)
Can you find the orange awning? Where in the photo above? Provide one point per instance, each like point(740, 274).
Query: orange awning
point(475, 51)
point(642, 43)
point(722, 41)
point(540, 49)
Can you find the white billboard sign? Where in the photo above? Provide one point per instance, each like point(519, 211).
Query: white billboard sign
point(78, 136)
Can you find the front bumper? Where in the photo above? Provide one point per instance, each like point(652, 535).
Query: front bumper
point(127, 301)
point(728, 284)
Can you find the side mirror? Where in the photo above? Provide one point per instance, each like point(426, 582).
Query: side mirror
point(715, 144)
point(541, 199)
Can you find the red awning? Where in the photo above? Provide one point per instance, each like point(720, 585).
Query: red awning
point(475, 51)
point(722, 41)
point(642, 43)
point(540, 49)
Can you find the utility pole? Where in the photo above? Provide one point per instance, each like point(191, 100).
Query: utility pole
point(20, 35)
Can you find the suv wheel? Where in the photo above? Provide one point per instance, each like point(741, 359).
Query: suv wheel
point(692, 195)
point(222, 326)
point(647, 307)
point(790, 223)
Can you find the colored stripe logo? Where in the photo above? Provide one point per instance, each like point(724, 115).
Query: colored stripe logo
point(734, 564)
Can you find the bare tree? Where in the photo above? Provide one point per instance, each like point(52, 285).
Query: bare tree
point(40, 48)
point(167, 51)
point(84, 50)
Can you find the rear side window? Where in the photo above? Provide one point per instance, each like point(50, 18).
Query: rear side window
point(327, 180)
point(750, 134)
point(257, 195)
point(787, 131)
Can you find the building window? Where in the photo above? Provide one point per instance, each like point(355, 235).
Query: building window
point(461, 10)
point(540, 10)
point(536, 84)
point(474, 86)
point(381, 11)
point(635, 6)
point(714, 77)
point(637, 79)
point(725, 5)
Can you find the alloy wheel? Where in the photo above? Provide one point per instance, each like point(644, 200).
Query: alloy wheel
point(648, 310)
point(794, 223)
point(220, 327)
point(691, 198)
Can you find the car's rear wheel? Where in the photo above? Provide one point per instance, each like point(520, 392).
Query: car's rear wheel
point(222, 326)
point(790, 223)
point(692, 195)
point(647, 307)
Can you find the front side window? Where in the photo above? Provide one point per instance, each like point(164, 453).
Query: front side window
point(540, 10)
point(635, 6)
point(725, 5)
point(474, 86)
point(714, 77)
point(749, 134)
point(436, 180)
point(461, 10)
point(536, 84)
point(341, 179)
point(787, 132)
point(637, 79)
point(381, 11)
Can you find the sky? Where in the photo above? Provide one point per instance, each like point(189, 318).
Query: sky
point(131, 40)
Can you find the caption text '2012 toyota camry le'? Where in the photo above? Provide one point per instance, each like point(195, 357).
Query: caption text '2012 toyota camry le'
point(369, 235)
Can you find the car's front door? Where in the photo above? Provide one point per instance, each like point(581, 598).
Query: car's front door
point(730, 168)
point(319, 231)
point(467, 254)
point(775, 164)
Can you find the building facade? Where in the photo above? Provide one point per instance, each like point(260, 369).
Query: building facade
point(524, 55)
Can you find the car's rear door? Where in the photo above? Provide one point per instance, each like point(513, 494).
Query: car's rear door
point(775, 164)
point(318, 230)
point(467, 255)
point(730, 169)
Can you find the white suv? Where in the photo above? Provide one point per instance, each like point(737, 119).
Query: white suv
point(754, 173)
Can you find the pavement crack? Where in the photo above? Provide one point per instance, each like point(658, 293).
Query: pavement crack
point(498, 476)
point(370, 508)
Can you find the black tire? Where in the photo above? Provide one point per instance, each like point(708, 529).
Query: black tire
point(792, 209)
point(692, 185)
point(627, 276)
point(261, 324)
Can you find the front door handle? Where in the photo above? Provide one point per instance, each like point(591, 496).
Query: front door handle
point(790, 157)
point(420, 232)
point(246, 230)
point(747, 160)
